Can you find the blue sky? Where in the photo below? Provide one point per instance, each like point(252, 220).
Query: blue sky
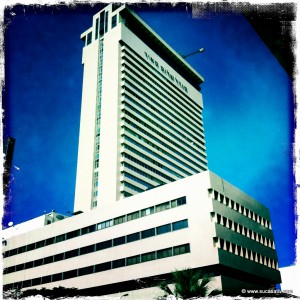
point(248, 107)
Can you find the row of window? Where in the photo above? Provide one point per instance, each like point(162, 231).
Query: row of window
point(128, 108)
point(139, 171)
point(158, 76)
point(133, 124)
point(89, 229)
point(100, 246)
point(246, 253)
point(155, 154)
point(245, 231)
point(179, 124)
point(240, 208)
point(136, 179)
point(158, 125)
point(142, 164)
point(151, 153)
point(123, 262)
point(167, 103)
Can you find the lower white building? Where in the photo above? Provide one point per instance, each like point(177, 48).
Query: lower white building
point(198, 222)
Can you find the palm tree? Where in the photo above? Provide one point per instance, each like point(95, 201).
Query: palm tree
point(189, 283)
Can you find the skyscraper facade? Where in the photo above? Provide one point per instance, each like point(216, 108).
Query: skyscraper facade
point(141, 116)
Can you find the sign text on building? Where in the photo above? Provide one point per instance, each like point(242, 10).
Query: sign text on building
point(163, 70)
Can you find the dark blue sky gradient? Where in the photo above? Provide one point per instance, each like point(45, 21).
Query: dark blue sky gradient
point(248, 107)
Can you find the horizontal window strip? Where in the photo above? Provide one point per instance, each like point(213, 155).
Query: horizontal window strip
point(132, 82)
point(105, 266)
point(181, 162)
point(171, 137)
point(68, 235)
point(138, 73)
point(128, 108)
point(185, 99)
point(105, 244)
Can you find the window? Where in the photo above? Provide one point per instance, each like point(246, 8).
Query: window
point(113, 21)
point(162, 206)
point(163, 229)
point(89, 38)
point(164, 253)
point(40, 244)
point(88, 229)
point(29, 265)
point(119, 220)
point(118, 263)
point(103, 267)
point(48, 260)
point(46, 279)
point(11, 269)
point(87, 249)
point(36, 281)
point(49, 241)
point(21, 249)
point(58, 257)
point(38, 262)
point(119, 241)
point(133, 237)
point(60, 238)
point(71, 253)
point(105, 224)
point(70, 274)
point(133, 216)
point(73, 234)
point(180, 224)
point(26, 283)
point(29, 248)
point(148, 256)
point(104, 245)
point(148, 233)
point(147, 211)
point(181, 249)
point(133, 260)
point(57, 277)
point(86, 271)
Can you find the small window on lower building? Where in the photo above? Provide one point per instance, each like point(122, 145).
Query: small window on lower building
point(119, 241)
point(104, 245)
point(29, 265)
point(119, 220)
point(36, 281)
point(182, 249)
point(58, 257)
point(46, 279)
point(86, 271)
point(57, 277)
point(87, 249)
point(180, 225)
point(147, 211)
point(133, 216)
point(133, 260)
point(118, 263)
point(164, 253)
point(133, 237)
point(148, 233)
point(70, 274)
point(103, 267)
point(163, 229)
point(38, 262)
point(48, 260)
point(148, 256)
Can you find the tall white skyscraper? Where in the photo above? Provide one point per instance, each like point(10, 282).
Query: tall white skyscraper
point(141, 127)
point(141, 116)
